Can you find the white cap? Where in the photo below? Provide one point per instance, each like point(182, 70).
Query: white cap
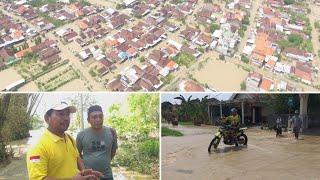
point(63, 105)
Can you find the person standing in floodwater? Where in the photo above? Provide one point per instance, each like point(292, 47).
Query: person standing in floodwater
point(278, 126)
point(296, 124)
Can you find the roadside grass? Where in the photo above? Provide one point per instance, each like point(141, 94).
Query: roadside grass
point(141, 156)
point(170, 132)
point(186, 123)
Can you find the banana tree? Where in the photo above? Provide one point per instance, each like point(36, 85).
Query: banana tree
point(184, 108)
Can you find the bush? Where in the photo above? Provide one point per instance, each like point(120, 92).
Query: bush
point(214, 27)
point(139, 156)
point(243, 86)
point(221, 57)
point(170, 132)
point(149, 147)
point(244, 59)
point(184, 59)
point(288, 2)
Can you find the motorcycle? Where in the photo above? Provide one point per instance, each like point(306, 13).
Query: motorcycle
point(236, 138)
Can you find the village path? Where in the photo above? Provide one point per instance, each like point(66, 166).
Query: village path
point(253, 14)
point(314, 17)
point(265, 157)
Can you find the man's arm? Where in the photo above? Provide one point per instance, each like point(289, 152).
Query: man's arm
point(114, 144)
point(80, 164)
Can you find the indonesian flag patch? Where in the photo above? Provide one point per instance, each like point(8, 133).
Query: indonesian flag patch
point(34, 159)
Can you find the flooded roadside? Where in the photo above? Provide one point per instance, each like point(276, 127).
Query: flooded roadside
point(265, 157)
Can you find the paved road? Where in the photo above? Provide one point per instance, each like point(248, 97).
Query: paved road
point(265, 157)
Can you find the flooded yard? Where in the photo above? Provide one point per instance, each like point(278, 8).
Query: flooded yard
point(265, 157)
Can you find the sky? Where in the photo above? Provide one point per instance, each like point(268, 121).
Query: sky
point(105, 100)
point(170, 96)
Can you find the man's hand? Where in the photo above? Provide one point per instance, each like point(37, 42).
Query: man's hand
point(80, 176)
point(89, 172)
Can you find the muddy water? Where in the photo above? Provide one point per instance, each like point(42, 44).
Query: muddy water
point(17, 168)
point(265, 157)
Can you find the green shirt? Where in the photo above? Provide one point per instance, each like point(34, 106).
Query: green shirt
point(96, 149)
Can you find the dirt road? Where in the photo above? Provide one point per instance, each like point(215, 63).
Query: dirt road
point(265, 157)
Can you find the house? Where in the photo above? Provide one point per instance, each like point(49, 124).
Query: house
point(190, 33)
point(117, 21)
point(141, 10)
point(263, 48)
point(116, 85)
point(203, 40)
point(227, 40)
point(276, 3)
point(6, 57)
point(297, 54)
point(129, 3)
point(190, 86)
point(266, 85)
point(190, 50)
point(270, 62)
point(253, 81)
point(282, 68)
point(303, 71)
point(85, 54)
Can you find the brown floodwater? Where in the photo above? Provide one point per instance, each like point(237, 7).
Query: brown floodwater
point(265, 157)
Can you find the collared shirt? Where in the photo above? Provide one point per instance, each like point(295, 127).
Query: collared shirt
point(53, 157)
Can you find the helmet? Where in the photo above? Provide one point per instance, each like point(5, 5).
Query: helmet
point(233, 110)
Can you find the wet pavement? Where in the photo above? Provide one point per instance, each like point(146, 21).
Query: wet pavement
point(265, 157)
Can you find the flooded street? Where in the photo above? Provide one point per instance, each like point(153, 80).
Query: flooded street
point(265, 157)
point(17, 169)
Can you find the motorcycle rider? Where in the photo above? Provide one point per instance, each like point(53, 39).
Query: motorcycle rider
point(233, 120)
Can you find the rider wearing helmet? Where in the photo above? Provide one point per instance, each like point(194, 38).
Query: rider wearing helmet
point(233, 120)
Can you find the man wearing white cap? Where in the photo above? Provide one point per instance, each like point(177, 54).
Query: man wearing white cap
point(56, 156)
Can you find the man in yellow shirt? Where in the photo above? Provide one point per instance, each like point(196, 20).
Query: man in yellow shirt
point(56, 156)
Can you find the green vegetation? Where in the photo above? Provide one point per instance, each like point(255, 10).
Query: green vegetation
point(167, 79)
point(207, 1)
point(185, 123)
point(142, 59)
point(15, 116)
point(93, 72)
point(56, 22)
point(214, 27)
point(243, 86)
point(317, 25)
point(38, 40)
point(39, 3)
point(170, 132)
point(184, 59)
point(138, 133)
point(288, 2)
point(296, 41)
point(201, 49)
point(194, 111)
point(221, 57)
point(244, 59)
point(246, 20)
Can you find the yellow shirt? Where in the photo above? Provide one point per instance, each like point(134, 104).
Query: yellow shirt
point(53, 157)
